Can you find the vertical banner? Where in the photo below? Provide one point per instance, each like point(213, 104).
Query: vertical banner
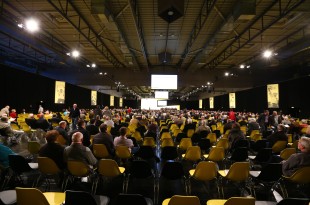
point(93, 97)
point(232, 100)
point(111, 100)
point(200, 103)
point(60, 87)
point(273, 95)
point(120, 102)
point(211, 102)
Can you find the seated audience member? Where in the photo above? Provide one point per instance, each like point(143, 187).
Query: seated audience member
point(105, 138)
point(228, 125)
point(203, 127)
point(298, 160)
point(108, 121)
point(279, 135)
point(242, 121)
point(81, 127)
point(122, 139)
point(5, 111)
point(77, 151)
point(13, 114)
point(92, 128)
point(62, 130)
point(52, 149)
point(31, 121)
point(235, 135)
point(98, 121)
point(5, 130)
point(4, 155)
point(252, 125)
point(42, 123)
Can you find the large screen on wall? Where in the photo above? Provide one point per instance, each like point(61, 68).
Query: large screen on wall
point(161, 94)
point(165, 82)
point(161, 103)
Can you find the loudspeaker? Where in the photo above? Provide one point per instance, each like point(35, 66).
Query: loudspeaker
point(164, 57)
point(170, 10)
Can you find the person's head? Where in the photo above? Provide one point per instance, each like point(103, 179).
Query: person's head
point(74, 106)
point(274, 113)
point(51, 136)
point(92, 121)
point(63, 124)
point(77, 137)
point(31, 115)
point(266, 112)
point(40, 115)
point(281, 127)
point(81, 123)
point(103, 127)
point(304, 144)
point(13, 110)
point(123, 131)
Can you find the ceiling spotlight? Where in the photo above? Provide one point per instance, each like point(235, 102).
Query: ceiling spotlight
point(88, 66)
point(20, 25)
point(226, 74)
point(68, 54)
point(242, 66)
point(208, 83)
point(267, 54)
point(105, 73)
point(93, 65)
point(248, 66)
point(32, 25)
point(170, 13)
point(75, 53)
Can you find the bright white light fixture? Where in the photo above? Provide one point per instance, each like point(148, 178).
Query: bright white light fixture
point(100, 73)
point(267, 54)
point(20, 25)
point(75, 53)
point(248, 66)
point(93, 65)
point(88, 66)
point(32, 25)
point(242, 66)
point(226, 74)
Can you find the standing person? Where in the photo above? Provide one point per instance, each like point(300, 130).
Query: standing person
point(40, 110)
point(263, 121)
point(74, 115)
point(232, 115)
point(5, 111)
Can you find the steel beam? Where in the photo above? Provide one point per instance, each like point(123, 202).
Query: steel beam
point(246, 36)
point(87, 31)
point(138, 23)
point(206, 8)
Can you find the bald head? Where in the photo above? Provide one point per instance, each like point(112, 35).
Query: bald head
point(77, 137)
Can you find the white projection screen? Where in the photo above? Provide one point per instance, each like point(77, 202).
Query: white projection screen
point(161, 103)
point(232, 100)
point(211, 102)
point(273, 95)
point(161, 94)
point(164, 82)
point(111, 100)
point(60, 88)
point(93, 97)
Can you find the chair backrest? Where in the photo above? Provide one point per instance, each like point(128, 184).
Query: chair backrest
point(18, 164)
point(100, 151)
point(240, 201)
point(26, 196)
point(279, 146)
point(165, 135)
point(212, 137)
point(239, 154)
point(137, 136)
point(204, 144)
point(205, 171)
point(190, 132)
point(33, 147)
point(167, 142)
point(47, 166)
point(216, 154)
point(79, 198)
point(136, 199)
point(140, 169)
point(184, 200)
point(239, 171)
point(172, 170)
point(301, 176)
point(287, 152)
point(109, 168)
point(169, 153)
point(193, 153)
point(263, 155)
point(295, 201)
point(185, 143)
point(61, 140)
point(78, 168)
point(149, 141)
point(260, 144)
point(256, 137)
point(122, 152)
point(223, 143)
point(145, 152)
point(253, 132)
point(270, 172)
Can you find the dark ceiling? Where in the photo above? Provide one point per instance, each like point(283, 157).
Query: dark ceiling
point(199, 40)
